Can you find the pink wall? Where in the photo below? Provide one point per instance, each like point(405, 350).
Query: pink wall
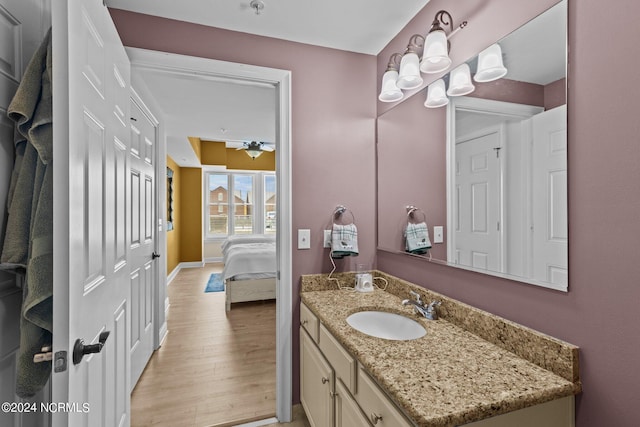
point(510, 91)
point(600, 313)
point(333, 125)
point(411, 172)
point(555, 94)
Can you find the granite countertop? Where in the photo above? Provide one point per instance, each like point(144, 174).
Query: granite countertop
point(451, 376)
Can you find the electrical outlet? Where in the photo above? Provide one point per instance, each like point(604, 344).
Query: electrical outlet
point(327, 238)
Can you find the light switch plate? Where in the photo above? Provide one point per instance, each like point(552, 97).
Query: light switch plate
point(327, 238)
point(304, 238)
point(438, 234)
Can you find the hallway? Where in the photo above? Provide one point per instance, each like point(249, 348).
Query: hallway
point(214, 368)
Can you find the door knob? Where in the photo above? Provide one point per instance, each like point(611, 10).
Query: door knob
point(155, 255)
point(80, 349)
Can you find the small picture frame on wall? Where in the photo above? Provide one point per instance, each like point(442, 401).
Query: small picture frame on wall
point(169, 199)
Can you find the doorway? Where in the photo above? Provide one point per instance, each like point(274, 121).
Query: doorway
point(209, 69)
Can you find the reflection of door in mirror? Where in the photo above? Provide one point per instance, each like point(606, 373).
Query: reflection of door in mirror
point(507, 193)
point(549, 212)
point(478, 192)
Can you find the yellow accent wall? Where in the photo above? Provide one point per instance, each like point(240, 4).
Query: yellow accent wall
point(215, 153)
point(173, 236)
point(238, 159)
point(197, 146)
point(190, 214)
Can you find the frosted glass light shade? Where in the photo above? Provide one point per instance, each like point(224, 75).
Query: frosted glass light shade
point(435, 57)
point(409, 77)
point(254, 154)
point(460, 81)
point(390, 92)
point(490, 66)
point(436, 95)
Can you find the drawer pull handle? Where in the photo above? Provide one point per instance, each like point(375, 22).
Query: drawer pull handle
point(375, 418)
point(333, 394)
point(304, 322)
point(325, 380)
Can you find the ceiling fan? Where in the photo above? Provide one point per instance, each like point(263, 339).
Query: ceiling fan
point(256, 148)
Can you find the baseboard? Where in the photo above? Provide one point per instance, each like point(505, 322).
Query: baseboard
point(196, 264)
point(213, 259)
point(173, 274)
point(163, 333)
point(180, 266)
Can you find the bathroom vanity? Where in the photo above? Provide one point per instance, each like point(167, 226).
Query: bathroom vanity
point(470, 368)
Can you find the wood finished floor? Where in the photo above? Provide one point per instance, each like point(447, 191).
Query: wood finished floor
point(214, 368)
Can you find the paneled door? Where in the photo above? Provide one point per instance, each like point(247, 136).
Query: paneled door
point(142, 278)
point(92, 217)
point(478, 200)
point(549, 210)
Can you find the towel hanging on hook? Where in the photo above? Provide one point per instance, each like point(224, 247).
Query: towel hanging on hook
point(344, 237)
point(416, 233)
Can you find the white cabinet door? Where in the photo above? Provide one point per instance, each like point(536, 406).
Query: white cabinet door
point(91, 215)
point(348, 413)
point(316, 384)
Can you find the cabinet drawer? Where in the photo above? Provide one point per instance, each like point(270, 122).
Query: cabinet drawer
point(376, 405)
point(309, 322)
point(343, 364)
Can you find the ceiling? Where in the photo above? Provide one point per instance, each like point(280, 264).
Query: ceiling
point(234, 111)
point(364, 26)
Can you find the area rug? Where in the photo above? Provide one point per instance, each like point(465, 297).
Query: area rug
point(215, 283)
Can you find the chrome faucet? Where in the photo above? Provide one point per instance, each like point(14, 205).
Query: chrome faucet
point(428, 311)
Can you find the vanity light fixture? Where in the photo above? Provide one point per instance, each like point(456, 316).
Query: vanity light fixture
point(390, 92)
point(436, 95)
point(460, 81)
point(435, 57)
point(409, 76)
point(490, 66)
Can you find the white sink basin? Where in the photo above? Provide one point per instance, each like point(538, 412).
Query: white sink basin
point(390, 326)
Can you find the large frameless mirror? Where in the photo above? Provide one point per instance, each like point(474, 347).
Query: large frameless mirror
point(489, 170)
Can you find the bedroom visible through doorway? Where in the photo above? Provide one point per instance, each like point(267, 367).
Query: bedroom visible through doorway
point(209, 72)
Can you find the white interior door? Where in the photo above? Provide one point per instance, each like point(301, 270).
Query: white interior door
point(549, 206)
point(91, 215)
point(477, 201)
point(142, 277)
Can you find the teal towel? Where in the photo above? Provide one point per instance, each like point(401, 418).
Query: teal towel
point(417, 238)
point(344, 241)
point(28, 244)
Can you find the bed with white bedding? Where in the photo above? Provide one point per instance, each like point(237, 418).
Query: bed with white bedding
point(249, 268)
